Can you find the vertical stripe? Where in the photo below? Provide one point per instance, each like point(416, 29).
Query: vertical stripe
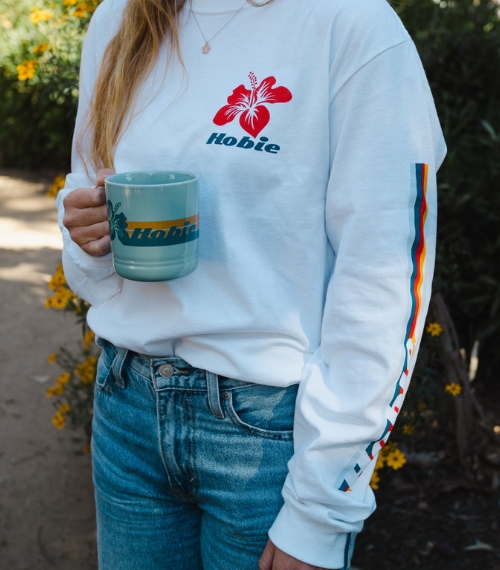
point(417, 260)
point(418, 249)
point(347, 549)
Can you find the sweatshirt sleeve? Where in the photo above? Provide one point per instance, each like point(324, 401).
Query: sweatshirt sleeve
point(91, 278)
point(386, 146)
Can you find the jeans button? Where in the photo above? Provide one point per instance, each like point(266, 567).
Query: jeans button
point(166, 370)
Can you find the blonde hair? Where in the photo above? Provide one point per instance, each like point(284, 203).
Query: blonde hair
point(128, 60)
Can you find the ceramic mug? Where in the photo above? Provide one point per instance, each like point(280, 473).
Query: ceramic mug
point(154, 224)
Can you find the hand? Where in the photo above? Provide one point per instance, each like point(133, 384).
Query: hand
point(275, 559)
point(86, 216)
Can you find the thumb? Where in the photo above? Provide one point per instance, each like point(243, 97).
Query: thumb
point(102, 175)
point(267, 558)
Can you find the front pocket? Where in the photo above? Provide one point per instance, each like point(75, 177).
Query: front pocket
point(266, 411)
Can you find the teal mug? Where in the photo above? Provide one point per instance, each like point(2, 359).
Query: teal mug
point(154, 224)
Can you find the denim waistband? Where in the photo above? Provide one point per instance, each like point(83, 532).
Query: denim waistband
point(179, 375)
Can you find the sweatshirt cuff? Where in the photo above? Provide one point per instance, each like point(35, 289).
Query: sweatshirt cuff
point(100, 267)
point(310, 542)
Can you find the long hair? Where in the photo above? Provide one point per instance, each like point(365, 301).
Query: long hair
point(128, 60)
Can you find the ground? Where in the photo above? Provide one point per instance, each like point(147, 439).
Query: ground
point(430, 518)
point(46, 497)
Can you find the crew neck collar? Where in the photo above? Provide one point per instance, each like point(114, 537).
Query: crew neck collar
point(217, 6)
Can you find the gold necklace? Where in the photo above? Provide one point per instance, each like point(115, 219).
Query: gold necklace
point(207, 47)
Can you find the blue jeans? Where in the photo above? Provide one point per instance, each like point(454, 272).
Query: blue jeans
point(188, 467)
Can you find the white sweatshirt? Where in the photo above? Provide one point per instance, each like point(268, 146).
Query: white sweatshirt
point(313, 131)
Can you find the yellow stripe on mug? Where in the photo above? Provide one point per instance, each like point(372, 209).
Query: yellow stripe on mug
point(163, 225)
point(166, 232)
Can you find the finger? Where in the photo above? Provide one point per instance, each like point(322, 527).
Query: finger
point(85, 198)
point(98, 247)
point(85, 234)
point(83, 217)
point(75, 217)
point(266, 560)
point(102, 175)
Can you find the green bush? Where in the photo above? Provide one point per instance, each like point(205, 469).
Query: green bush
point(39, 59)
point(459, 42)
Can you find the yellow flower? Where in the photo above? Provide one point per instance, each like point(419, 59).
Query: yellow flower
point(70, 2)
point(63, 379)
point(26, 70)
point(51, 358)
point(82, 9)
point(389, 455)
point(375, 480)
point(59, 272)
point(380, 459)
point(48, 302)
point(62, 296)
point(88, 339)
point(87, 370)
point(434, 329)
point(38, 15)
point(408, 429)
point(41, 48)
point(58, 420)
point(64, 408)
point(454, 389)
point(58, 303)
point(54, 391)
point(59, 181)
point(395, 458)
point(58, 280)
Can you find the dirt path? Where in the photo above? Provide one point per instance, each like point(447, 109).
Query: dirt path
point(46, 501)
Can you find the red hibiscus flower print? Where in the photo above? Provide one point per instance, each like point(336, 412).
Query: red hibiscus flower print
point(250, 104)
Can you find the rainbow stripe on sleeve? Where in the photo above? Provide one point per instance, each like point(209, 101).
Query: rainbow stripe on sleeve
point(418, 254)
point(418, 249)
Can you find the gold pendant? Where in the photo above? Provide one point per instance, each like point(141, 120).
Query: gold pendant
point(206, 48)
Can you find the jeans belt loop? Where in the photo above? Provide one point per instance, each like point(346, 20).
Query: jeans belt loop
point(117, 367)
point(213, 395)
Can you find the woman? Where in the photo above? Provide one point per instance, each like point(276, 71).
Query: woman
point(313, 132)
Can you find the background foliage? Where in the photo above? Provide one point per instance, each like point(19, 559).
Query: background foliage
point(38, 101)
point(459, 43)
